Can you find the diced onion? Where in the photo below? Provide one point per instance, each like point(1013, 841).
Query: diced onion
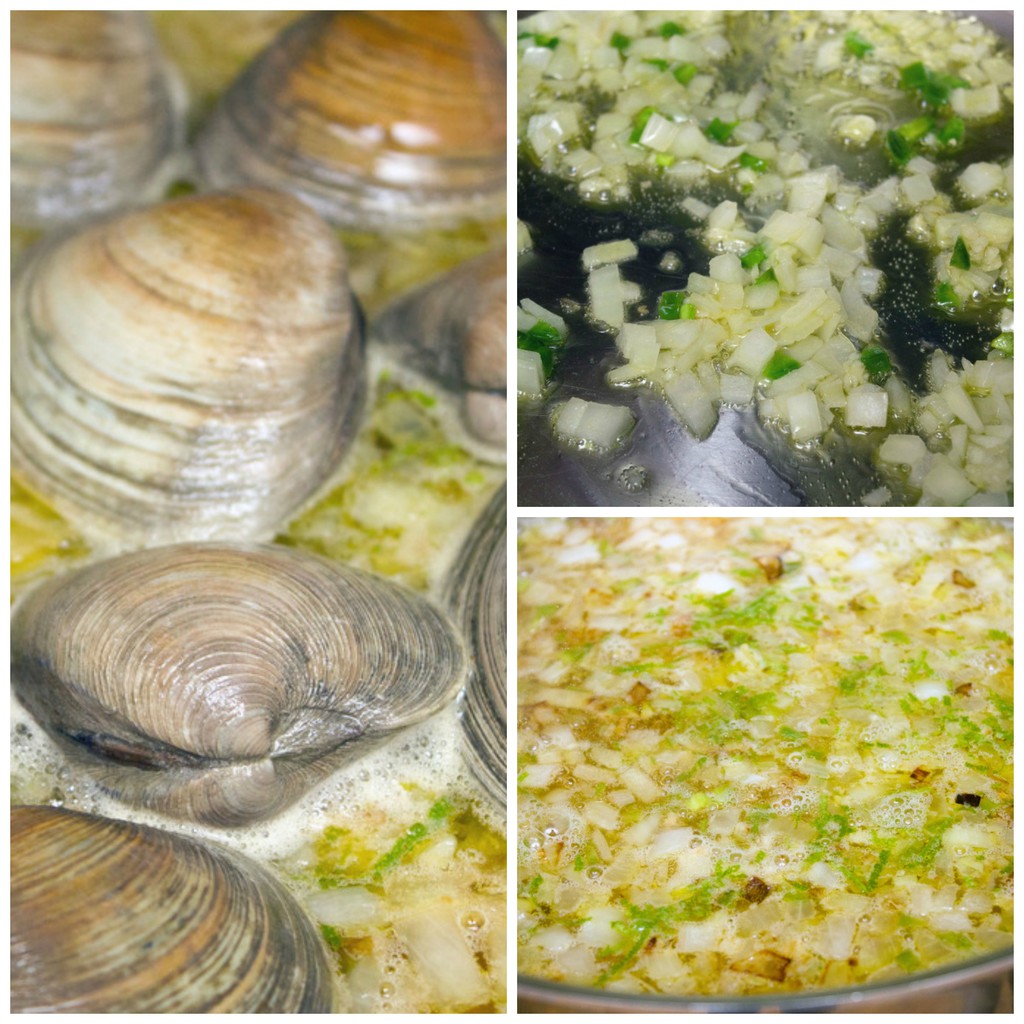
point(975, 103)
point(946, 484)
point(539, 776)
point(529, 374)
point(609, 252)
point(918, 188)
point(835, 941)
point(535, 311)
point(545, 131)
point(641, 785)
point(352, 907)
point(606, 295)
point(805, 418)
point(980, 180)
point(693, 405)
point(593, 423)
point(736, 389)
point(756, 348)
point(659, 133)
point(867, 406)
point(903, 449)
point(671, 842)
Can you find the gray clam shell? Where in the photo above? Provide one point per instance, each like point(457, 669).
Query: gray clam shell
point(476, 593)
point(218, 683)
point(112, 917)
point(453, 333)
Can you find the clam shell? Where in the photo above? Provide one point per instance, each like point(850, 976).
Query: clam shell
point(383, 121)
point(220, 682)
point(94, 114)
point(475, 591)
point(454, 332)
point(189, 371)
point(112, 917)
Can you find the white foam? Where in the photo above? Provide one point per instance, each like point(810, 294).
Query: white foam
point(425, 758)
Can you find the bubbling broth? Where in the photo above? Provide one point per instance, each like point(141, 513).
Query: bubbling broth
point(762, 756)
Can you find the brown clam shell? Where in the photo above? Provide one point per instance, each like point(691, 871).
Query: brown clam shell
point(113, 917)
point(94, 114)
point(188, 371)
point(383, 121)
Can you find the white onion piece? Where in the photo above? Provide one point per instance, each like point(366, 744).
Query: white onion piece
point(805, 417)
point(607, 299)
point(671, 842)
point(597, 930)
point(975, 103)
point(539, 313)
point(618, 251)
point(351, 907)
point(438, 947)
point(641, 785)
point(529, 374)
point(691, 402)
point(918, 189)
point(835, 940)
point(980, 180)
point(756, 348)
point(867, 406)
point(593, 423)
point(903, 449)
point(539, 776)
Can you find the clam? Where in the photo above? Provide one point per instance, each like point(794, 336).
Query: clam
point(383, 121)
point(475, 592)
point(218, 683)
point(189, 371)
point(453, 332)
point(113, 917)
point(95, 114)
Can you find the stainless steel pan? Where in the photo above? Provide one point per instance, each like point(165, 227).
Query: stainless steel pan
point(975, 986)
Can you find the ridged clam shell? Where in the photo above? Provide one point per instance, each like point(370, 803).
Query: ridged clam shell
point(475, 592)
point(93, 113)
point(388, 120)
point(454, 332)
point(219, 682)
point(112, 917)
point(188, 371)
